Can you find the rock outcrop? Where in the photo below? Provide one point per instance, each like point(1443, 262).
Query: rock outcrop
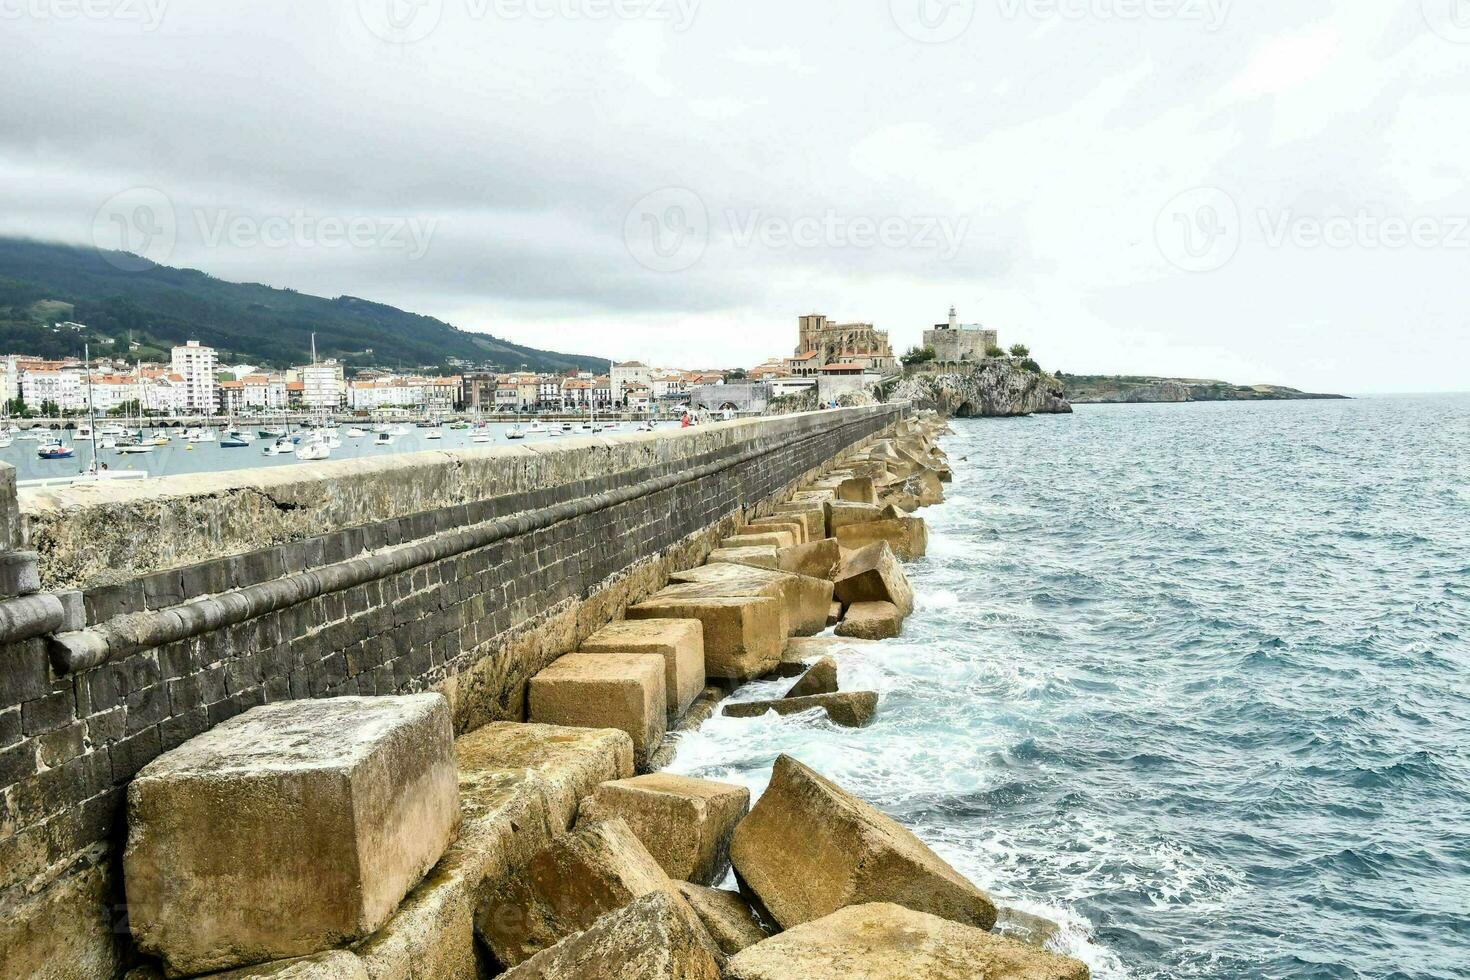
point(992, 388)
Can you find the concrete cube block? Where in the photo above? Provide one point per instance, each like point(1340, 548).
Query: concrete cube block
point(679, 641)
point(809, 848)
point(751, 538)
point(851, 709)
point(686, 824)
point(294, 827)
point(743, 637)
point(858, 490)
point(654, 937)
point(761, 525)
point(812, 517)
point(580, 877)
point(763, 556)
point(624, 691)
point(731, 922)
point(805, 599)
point(873, 574)
point(819, 559)
point(907, 536)
point(842, 513)
point(871, 621)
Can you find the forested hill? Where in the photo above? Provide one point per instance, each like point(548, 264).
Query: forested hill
point(159, 306)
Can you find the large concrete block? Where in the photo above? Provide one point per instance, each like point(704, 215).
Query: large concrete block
point(805, 598)
point(793, 525)
point(654, 937)
point(762, 556)
point(624, 691)
point(582, 875)
point(743, 638)
point(808, 848)
point(812, 517)
point(728, 917)
point(885, 941)
point(851, 709)
point(332, 965)
point(871, 621)
point(841, 513)
point(873, 574)
point(734, 581)
point(289, 829)
point(819, 559)
point(686, 824)
point(759, 539)
point(858, 490)
point(679, 641)
point(820, 678)
point(519, 786)
point(907, 536)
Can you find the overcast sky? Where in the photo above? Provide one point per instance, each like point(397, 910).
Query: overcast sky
point(1263, 192)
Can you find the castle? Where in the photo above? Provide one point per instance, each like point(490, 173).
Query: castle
point(955, 341)
point(830, 344)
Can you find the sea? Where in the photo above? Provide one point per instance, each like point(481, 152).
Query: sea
point(1191, 680)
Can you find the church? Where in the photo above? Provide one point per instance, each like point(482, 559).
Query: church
point(824, 344)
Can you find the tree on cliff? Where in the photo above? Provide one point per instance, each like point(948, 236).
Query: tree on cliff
point(918, 355)
point(1020, 350)
point(993, 351)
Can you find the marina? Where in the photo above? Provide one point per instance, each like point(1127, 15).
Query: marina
point(56, 456)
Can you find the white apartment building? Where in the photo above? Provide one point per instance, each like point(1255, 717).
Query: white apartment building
point(112, 391)
point(166, 395)
point(198, 366)
point(323, 386)
point(627, 373)
point(64, 389)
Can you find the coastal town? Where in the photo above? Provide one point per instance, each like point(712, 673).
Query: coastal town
point(829, 360)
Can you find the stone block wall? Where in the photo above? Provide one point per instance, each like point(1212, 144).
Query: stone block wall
point(191, 599)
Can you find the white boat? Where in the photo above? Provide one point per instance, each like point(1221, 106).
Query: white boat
point(515, 433)
point(6, 440)
point(136, 448)
point(481, 435)
point(314, 449)
point(280, 447)
point(356, 433)
point(200, 435)
point(382, 440)
point(536, 428)
point(433, 434)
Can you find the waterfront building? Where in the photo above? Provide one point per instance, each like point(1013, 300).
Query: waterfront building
point(110, 392)
point(954, 341)
point(231, 397)
point(844, 343)
point(64, 389)
point(625, 374)
point(198, 366)
point(323, 385)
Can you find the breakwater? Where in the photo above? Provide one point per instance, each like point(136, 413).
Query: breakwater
point(166, 609)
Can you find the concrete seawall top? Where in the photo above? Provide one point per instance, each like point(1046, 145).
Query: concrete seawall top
point(98, 534)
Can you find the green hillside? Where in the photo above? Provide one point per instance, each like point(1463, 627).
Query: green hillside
point(160, 306)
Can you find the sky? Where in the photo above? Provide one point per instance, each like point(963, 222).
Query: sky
point(1262, 192)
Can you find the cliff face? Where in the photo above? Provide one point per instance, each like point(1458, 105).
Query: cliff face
point(994, 388)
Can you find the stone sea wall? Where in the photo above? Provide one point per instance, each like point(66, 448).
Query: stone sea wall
point(171, 606)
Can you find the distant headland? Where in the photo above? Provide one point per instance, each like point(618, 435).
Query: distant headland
point(1091, 389)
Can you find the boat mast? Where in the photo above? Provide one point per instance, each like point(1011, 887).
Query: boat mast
point(91, 408)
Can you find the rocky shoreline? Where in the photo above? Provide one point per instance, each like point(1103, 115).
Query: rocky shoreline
point(992, 388)
point(365, 841)
point(1131, 390)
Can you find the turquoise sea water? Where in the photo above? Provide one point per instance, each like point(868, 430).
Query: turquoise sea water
point(1193, 680)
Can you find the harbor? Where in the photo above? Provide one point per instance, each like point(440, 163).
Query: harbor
point(129, 451)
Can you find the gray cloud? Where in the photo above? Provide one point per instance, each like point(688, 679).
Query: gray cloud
point(838, 160)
